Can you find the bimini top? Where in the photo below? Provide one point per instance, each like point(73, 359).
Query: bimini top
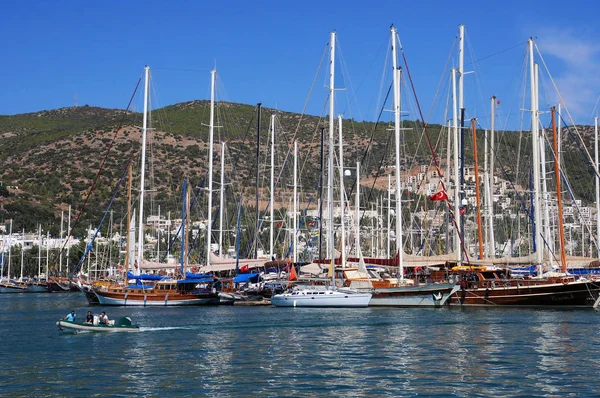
point(241, 278)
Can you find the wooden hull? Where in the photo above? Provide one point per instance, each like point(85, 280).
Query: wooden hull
point(38, 288)
point(571, 294)
point(414, 296)
point(86, 327)
point(11, 288)
point(154, 299)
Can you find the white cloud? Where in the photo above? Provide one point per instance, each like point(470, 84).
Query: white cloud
point(577, 73)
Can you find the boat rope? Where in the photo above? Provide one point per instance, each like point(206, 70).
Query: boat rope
point(435, 160)
point(108, 150)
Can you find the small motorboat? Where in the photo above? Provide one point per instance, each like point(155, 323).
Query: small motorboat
point(123, 325)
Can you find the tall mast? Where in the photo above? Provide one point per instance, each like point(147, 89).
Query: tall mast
point(183, 227)
point(222, 199)
point(543, 176)
point(330, 234)
point(68, 236)
point(490, 183)
point(457, 187)
point(477, 195)
point(272, 199)
point(211, 131)
point(257, 239)
point(294, 215)
point(321, 184)
point(597, 183)
point(357, 210)
point(10, 246)
point(39, 250)
point(561, 230)
point(22, 253)
point(128, 240)
point(397, 74)
point(62, 215)
point(47, 255)
point(342, 192)
point(188, 224)
point(539, 252)
point(461, 133)
point(389, 215)
point(140, 253)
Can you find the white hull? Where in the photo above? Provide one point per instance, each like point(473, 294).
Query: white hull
point(79, 327)
point(417, 296)
point(321, 299)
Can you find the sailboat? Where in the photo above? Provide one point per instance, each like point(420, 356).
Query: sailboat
point(156, 290)
point(330, 295)
point(7, 285)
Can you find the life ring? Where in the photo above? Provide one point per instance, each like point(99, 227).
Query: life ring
point(594, 278)
point(194, 269)
point(565, 281)
point(120, 268)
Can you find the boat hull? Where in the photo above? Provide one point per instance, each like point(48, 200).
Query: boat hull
point(154, 300)
point(432, 296)
point(10, 288)
point(37, 288)
point(86, 327)
point(571, 294)
point(328, 299)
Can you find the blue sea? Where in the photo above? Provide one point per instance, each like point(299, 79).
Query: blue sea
point(293, 352)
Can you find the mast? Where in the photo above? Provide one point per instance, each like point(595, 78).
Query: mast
point(183, 260)
point(272, 199)
point(457, 187)
point(461, 135)
point(294, 215)
point(397, 74)
point(187, 235)
point(257, 239)
point(68, 236)
point(39, 250)
point(128, 240)
point(321, 193)
point(357, 210)
point(47, 255)
point(477, 195)
point(22, 254)
point(543, 176)
point(330, 233)
point(561, 230)
point(62, 214)
point(342, 192)
point(211, 131)
point(597, 183)
point(222, 199)
point(140, 252)
point(490, 183)
point(538, 249)
point(389, 215)
point(9, 246)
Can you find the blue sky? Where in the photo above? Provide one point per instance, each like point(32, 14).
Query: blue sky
point(269, 52)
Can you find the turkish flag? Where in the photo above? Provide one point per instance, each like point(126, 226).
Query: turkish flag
point(244, 268)
point(441, 195)
point(463, 210)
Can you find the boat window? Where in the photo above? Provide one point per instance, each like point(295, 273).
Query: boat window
point(321, 292)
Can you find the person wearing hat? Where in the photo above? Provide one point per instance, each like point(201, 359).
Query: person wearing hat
point(70, 317)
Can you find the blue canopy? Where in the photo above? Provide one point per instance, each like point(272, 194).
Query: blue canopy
point(145, 277)
point(196, 280)
point(138, 286)
point(191, 275)
point(241, 278)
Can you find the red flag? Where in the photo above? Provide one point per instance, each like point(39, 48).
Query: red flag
point(293, 276)
point(463, 210)
point(441, 195)
point(244, 268)
point(498, 102)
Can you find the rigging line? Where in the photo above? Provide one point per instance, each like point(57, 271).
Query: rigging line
point(106, 212)
point(439, 87)
point(435, 157)
point(182, 69)
point(496, 53)
point(563, 102)
point(110, 146)
point(291, 145)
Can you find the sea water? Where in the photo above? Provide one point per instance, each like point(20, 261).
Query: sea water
point(267, 351)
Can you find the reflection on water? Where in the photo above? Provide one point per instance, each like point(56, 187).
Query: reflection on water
point(265, 351)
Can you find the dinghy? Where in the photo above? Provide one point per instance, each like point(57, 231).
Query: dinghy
point(123, 325)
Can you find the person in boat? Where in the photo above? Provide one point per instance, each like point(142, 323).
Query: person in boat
point(70, 317)
point(103, 318)
point(89, 318)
